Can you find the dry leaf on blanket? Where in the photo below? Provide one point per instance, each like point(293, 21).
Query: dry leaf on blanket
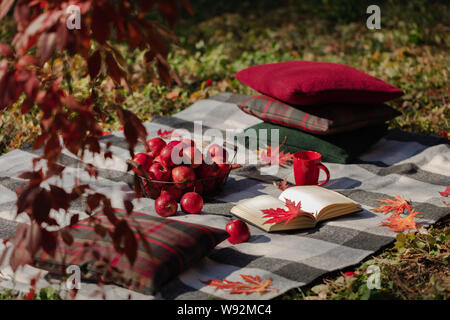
point(253, 284)
point(166, 134)
point(398, 223)
point(281, 215)
point(446, 192)
point(398, 206)
point(283, 185)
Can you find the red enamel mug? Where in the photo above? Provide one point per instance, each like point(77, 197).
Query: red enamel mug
point(306, 168)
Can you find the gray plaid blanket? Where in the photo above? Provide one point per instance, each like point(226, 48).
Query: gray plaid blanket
point(413, 166)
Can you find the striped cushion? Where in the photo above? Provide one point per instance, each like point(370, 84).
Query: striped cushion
point(325, 119)
point(175, 246)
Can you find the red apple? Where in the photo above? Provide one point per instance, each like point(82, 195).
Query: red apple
point(192, 156)
point(217, 153)
point(144, 160)
point(173, 143)
point(155, 145)
point(238, 231)
point(166, 205)
point(188, 142)
point(157, 159)
point(159, 172)
point(171, 155)
point(183, 174)
point(191, 202)
point(207, 170)
point(173, 191)
point(152, 189)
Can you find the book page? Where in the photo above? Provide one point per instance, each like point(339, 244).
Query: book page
point(314, 198)
point(256, 204)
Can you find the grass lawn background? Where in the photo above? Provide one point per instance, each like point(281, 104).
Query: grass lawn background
point(410, 51)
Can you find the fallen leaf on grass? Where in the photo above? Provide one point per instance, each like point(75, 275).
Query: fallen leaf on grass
point(281, 215)
point(174, 94)
point(398, 206)
point(253, 284)
point(398, 223)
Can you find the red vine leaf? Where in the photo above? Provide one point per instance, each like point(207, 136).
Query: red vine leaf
point(398, 223)
point(397, 206)
point(253, 284)
point(5, 5)
point(281, 215)
point(94, 64)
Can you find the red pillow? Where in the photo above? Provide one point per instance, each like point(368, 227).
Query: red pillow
point(309, 83)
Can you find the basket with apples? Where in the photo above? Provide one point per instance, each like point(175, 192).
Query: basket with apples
point(179, 170)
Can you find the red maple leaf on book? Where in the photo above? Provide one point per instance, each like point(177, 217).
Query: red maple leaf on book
point(281, 215)
point(253, 284)
point(397, 206)
point(274, 156)
point(398, 223)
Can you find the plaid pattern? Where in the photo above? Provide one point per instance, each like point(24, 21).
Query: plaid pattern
point(175, 246)
point(401, 163)
point(323, 119)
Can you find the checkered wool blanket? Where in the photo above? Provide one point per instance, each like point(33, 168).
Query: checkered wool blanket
point(414, 166)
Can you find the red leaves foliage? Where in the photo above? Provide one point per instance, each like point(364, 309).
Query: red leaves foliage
point(65, 120)
point(253, 284)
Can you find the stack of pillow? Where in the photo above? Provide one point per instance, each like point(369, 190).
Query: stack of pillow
point(330, 108)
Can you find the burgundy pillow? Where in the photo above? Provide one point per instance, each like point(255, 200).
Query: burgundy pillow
point(310, 83)
point(175, 246)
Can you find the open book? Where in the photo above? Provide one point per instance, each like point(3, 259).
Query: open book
point(320, 202)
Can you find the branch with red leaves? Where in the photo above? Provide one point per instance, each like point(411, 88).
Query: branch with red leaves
point(69, 122)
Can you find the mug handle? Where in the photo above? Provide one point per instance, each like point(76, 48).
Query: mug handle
point(321, 166)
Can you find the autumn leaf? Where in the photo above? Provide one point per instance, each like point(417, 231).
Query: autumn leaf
point(273, 156)
point(282, 185)
point(253, 284)
point(446, 192)
point(398, 223)
point(281, 215)
point(174, 94)
point(398, 206)
point(166, 134)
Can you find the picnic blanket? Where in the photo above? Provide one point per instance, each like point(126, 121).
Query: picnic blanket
point(413, 166)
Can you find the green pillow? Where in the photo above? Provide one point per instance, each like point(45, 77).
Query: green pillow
point(336, 148)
